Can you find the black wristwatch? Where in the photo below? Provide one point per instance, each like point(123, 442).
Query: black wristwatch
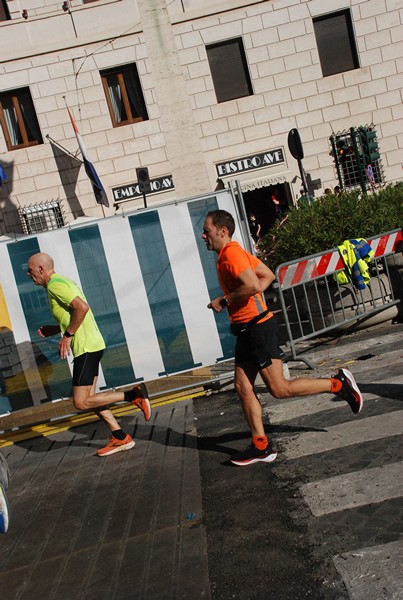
point(224, 302)
point(68, 334)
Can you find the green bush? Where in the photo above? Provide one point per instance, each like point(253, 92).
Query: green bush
point(330, 220)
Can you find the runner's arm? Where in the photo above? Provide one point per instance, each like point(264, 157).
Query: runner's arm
point(252, 282)
point(80, 309)
point(265, 276)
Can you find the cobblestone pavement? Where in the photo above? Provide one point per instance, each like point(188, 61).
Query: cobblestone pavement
point(172, 519)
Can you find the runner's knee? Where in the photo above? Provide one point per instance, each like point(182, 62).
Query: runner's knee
point(280, 390)
point(80, 403)
point(243, 388)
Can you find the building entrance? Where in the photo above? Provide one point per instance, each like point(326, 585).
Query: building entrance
point(268, 204)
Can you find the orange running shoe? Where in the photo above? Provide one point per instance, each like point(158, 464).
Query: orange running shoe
point(141, 400)
point(116, 446)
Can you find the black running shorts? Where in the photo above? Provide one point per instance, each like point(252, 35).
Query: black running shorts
point(259, 344)
point(86, 367)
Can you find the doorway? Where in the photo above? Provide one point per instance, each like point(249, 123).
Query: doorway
point(262, 203)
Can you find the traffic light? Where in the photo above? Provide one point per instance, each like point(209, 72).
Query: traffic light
point(369, 145)
point(342, 148)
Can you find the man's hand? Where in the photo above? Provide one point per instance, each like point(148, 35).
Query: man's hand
point(48, 330)
point(216, 306)
point(64, 347)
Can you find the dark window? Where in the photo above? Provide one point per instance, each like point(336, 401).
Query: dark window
point(124, 95)
point(336, 43)
point(18, 119)
point(41, 217)
point(229, 70)
point(4, 12)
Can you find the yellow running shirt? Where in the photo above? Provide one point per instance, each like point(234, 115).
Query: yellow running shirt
point(61, 292)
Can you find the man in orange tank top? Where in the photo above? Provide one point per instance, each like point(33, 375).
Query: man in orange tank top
point(243, 279)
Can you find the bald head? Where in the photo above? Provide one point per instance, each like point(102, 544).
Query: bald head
point(40, 268)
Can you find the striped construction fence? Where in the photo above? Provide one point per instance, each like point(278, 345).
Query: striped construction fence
point(314, 303)
point(148, 278)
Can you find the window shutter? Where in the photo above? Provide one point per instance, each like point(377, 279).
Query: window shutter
point(229, 70)
point(4, 14)
point(336, 44)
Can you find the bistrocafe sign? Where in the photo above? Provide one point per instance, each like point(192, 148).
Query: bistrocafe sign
point(249, 163)
point(132, 190)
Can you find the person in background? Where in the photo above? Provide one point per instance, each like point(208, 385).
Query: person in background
point(304, 199)
point(243, 279)
point(81, 336)
point(277, 207)
point(254, 227)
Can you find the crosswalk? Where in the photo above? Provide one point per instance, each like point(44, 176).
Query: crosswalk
point(348, 497)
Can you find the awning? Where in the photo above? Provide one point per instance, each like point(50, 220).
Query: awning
point(247, 185)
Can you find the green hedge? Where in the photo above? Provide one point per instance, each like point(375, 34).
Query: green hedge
point(330, 220)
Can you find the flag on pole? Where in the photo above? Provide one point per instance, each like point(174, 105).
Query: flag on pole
point(100, 194)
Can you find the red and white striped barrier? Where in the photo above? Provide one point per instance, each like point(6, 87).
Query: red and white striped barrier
point(330, 262)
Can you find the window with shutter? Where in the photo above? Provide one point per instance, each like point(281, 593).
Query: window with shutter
point(336, 42)
point(229, 70)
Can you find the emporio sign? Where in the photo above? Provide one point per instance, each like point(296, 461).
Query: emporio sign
point(248, 163)
point(132, 190)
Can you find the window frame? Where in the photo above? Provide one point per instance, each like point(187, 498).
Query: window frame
point(119, 72)
point(26, 143)
point(221, 94)
point(329, 49)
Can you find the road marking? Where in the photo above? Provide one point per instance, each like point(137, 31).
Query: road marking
point(346, 434)
point(354, 489)
point(280, 412)
point(374, 572)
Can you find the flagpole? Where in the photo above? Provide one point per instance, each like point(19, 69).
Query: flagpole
point(52, 141)
point(98, 188)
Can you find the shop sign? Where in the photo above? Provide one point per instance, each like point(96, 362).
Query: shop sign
point(247, 186)
point(249, 163)
point(132, 190)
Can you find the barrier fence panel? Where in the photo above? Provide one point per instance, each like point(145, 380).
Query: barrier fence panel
point(314, 302)
point(148, 278)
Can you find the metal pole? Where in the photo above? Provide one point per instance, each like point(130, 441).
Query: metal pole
point(334, 149)
point(303, 178)
point(244, 218)
point(358, 159)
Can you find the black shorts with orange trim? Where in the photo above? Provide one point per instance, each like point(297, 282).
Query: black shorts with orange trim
point(86, 368)
point(259, 343)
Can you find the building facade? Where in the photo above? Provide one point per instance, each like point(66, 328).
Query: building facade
point(200, 92)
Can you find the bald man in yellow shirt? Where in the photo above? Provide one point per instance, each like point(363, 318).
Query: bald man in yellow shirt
point(81, 336)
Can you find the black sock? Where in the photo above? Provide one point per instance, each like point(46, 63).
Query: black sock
point(130, 395)
point(119, 434)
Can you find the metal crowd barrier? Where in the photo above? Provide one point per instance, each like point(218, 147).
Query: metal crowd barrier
point(314, 303)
